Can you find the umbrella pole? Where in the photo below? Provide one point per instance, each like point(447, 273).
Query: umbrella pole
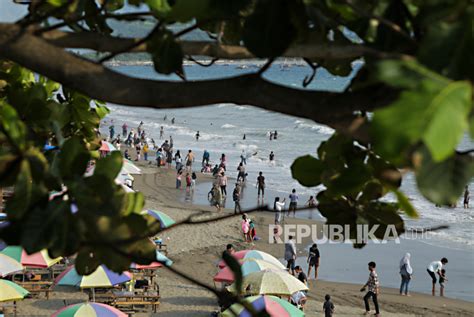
point(93, 295)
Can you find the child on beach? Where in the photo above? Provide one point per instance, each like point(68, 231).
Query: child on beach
point(328, 306)
point(178, 179)
point(442, 279)
point(188, 182)
point(245, 224)
point(193, 180)
point(311, 202)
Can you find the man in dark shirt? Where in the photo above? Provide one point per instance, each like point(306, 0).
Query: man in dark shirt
point(261, 184)
point(301, 276)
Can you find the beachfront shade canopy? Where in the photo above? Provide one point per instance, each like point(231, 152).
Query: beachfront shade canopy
point(273, 305)
point(164, 219)
point(107, 147)
point(9, 265)
point(129, 168)
point(279, 283)
point(10, 291)
point(36, 260)
point(247, 266)
point(254, 254)
point(101, 277)
point(89, 310)
point(151, 266)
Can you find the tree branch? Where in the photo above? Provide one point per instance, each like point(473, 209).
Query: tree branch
point(102, 83)
point(105, 43)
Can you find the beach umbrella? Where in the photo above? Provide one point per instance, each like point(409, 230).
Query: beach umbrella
point(254, 254)
point(107, 147)
point(9, 265)
point(89, 310)
point(152, 265)
point(36, 260)
point(101, 277)
point(128, 167)
point(164, 219)
point(273, 305)
point(247, 266)
point(10, 291)
point(268, 282)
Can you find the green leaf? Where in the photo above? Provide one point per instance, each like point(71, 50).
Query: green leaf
point(384, 214)
point(134, 203)
point(110, 165)
point(12, 126)
point(160, 7)
point(471, 126)
point(166, 53)
point(235, 267)
point(405, 204)
point(73, 158)
point(86, 261)
point(449, 122)
point(18, 204)
point(373, 190)
point(443, 182)
point(350, 181)
point(384, 171)
point(9, 168)
point(268, 31)
point(187, 10)
point(307, 170)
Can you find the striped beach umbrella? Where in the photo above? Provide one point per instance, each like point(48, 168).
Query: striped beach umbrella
point(280, 283)
point(273, 305)
point(247, 266)
point(36, 260)
point(128, 167)
point(254, 254)
point(9, 265)
point(101, 277)
point(89, 310)
point(107, 147)
point(164, 219)
point(10, 291)
point(153, 265)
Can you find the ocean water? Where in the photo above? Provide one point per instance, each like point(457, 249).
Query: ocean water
point(222, 127)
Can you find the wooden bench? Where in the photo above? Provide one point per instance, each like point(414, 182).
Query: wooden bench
point(131, 304)
point(37, 287)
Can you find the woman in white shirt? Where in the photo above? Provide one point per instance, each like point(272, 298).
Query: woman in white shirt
point(278, 206)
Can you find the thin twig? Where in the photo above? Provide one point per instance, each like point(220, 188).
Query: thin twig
point(265, 66)
point(308, 79)
point(215, 59)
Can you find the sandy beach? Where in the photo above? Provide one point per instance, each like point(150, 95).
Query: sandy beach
point(195, 250)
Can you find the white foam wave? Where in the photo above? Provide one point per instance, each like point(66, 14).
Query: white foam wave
point(228, 126)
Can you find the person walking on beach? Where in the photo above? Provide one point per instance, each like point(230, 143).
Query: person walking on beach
point(236, 198)
point(145, 152)
point(313, 260)
point(124, 130)
point(223, 183)
point(278, 206)
point(162, 131)
point(205, 158)
point(260, 185)
point(406, 272)
point(290, 255)
point(243, 158)
point(434, 268)
point(328, 306)
point(293, 202)
point(373, 289)
point(112, 132)
point(189, 160)
point(178, 160)
point(466, 197)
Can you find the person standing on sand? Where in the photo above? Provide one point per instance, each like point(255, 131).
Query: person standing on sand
point(313, 260)
point(216, 198)
point(260, 185)
point(138, 148)
point(328, 306)
point(290, 255)
point(278, 206)
point(442, 281)
point(188, 182)
point(193, 180)
point(189, 160)
point(112, 132)
point(466, 197)
point(434, 268)
point(223, 183)
point(124, 130)
point(293, 202)
point(373, 289)
point(236, 198)
point(406, 272)
point(245, 224)
point(145, 152)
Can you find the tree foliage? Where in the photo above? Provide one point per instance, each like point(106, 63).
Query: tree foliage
point(416, 79)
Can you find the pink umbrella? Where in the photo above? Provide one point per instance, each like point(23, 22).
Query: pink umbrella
point(107, 147)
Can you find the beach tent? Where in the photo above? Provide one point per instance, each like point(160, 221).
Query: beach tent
point(36, 260)
point(10, 291)
point(254, 254)
point(247, 266)
point(273, 305)
point(279, 283)
point(89, 310)
point(164, 219)
point(9, 265)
